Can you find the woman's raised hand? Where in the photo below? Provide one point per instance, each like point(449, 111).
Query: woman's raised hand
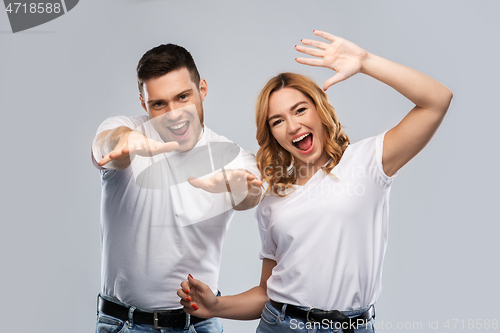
point(341, 55)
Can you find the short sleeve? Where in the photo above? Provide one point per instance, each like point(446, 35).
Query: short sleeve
point(268, 250)
point(368, 155)
point(379, 150)
point(246, 161)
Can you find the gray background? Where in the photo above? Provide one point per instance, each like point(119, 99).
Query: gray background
point(61, 79)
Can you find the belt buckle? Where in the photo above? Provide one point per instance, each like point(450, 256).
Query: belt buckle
point(155, 319)
point(307, 314)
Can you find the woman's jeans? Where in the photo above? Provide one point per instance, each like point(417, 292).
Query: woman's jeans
point(109, 324)
point(274, 320)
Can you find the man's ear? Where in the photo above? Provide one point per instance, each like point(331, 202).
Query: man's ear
point(143, 104)
point(203, 89)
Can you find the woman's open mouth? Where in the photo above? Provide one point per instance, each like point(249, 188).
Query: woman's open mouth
point(304, 143)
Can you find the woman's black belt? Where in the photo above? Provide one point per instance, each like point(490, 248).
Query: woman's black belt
point(332, 316)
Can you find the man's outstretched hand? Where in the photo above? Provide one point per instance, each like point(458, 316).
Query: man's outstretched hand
point(135, 143)
point(244, 187)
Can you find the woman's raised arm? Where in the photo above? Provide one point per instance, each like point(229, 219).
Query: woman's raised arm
point(431, 98)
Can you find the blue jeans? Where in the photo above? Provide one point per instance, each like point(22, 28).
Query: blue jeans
point(109, 324)
point(274, 320)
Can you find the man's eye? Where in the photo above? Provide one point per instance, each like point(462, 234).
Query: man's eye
point(183, 97)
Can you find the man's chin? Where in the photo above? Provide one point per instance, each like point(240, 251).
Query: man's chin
point(186, 146)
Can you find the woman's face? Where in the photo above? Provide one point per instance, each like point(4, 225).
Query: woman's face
point(295, 124)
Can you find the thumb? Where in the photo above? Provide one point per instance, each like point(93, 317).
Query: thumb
point(196, 283)
point(195, 182)
point(334, 79)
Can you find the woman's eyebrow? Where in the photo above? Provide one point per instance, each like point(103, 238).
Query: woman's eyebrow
point(291, 109)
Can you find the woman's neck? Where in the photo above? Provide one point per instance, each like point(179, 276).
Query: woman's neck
point(307, 170)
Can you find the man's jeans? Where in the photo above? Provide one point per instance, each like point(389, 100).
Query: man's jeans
point(274, 320)
point(109, 324)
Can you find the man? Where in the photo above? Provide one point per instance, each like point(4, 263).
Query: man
point(169, 190)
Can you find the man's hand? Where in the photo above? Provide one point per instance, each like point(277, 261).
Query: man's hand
point(126, 142)
point(343, 56)
point(197, 298)
point(244, 187)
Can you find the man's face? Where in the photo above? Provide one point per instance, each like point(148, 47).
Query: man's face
point(174, 105)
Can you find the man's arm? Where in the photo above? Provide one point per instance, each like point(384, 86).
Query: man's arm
point(116, 146)
point(244, 188)
point(112, 146)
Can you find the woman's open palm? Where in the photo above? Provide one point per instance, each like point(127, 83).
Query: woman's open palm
point(341, 55)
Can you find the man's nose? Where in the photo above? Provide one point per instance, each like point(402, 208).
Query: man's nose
point(174, 113)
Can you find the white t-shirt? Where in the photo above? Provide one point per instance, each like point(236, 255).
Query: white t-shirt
point(329, 236)
point(155, 227)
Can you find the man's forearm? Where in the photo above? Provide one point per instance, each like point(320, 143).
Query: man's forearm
point(107, 141)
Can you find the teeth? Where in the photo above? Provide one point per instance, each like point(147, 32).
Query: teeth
point(300, 138)
point(178, 126)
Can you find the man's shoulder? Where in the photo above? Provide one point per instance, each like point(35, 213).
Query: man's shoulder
point(131, 122)
point(211, 136)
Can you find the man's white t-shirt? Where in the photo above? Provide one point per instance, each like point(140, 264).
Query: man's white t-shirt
point(155, 227)
point(329, 236)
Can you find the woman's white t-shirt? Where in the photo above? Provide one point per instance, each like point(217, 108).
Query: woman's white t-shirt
point(329, 236)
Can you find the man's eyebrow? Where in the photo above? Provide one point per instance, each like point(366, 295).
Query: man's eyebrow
point(154, 101)
point(291, 109)
point(184, 92)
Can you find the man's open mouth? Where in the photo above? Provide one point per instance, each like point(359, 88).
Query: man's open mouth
point(180, 128)
point(303, 142)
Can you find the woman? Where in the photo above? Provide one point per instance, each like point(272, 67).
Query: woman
point(323, 221)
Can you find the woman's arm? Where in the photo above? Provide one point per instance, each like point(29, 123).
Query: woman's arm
point(199, 300)
point(431, 98)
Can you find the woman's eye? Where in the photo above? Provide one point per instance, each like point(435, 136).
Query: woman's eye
point(300, 110)
point(276, 122)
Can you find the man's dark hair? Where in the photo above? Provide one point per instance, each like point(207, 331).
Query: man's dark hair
point(164, 59)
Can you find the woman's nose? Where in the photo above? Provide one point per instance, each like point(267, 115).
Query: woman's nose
point(293, 126)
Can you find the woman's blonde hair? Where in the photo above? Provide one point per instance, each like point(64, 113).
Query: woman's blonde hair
point(277, 166)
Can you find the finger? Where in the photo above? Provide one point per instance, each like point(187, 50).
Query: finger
point(237, 175)
point(198, 284)
point(187, 307)
point(105, 160)
point(166, 147)
point(315, 43)
point(333, 80)
point(257, 183)
point(198, 183)
point(186, 286)
point(325, 35)
point(183, 295)
point(310, 61)
point(250, 176)
point(309, 50)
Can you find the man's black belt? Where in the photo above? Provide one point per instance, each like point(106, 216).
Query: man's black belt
point(333, 317)
point(159, 319)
